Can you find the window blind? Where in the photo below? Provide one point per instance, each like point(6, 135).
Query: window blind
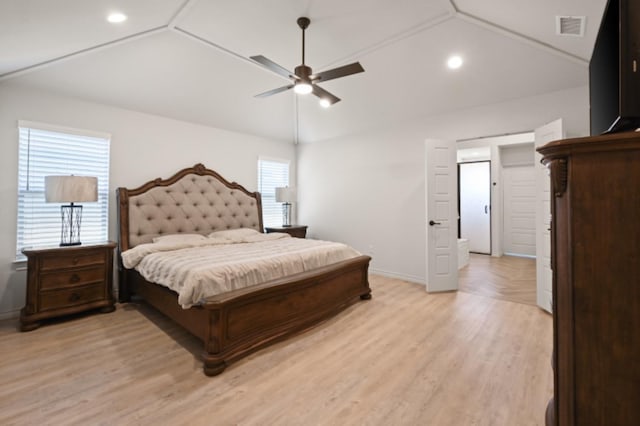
point(44, 152)
point(272, 173)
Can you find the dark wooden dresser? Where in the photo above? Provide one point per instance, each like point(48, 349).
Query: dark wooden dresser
point(595, 189)
point(297, 231)
point(66, 280)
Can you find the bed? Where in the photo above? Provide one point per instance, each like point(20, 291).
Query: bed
point(233, 324)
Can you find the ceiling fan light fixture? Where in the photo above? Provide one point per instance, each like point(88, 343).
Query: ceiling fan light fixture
point(303, 80)
point(302, 88)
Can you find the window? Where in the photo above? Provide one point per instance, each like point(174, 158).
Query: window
point(272, 173)
point(47, 150)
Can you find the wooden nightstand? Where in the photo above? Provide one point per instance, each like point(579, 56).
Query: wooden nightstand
point(66, 280)
point(298, 231)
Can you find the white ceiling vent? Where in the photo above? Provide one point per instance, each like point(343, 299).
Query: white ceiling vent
point(570, 25)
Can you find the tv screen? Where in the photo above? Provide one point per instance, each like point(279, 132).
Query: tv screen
point(614, 70)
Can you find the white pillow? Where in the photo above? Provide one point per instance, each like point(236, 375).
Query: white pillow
point(233, 233)
point(179, 238)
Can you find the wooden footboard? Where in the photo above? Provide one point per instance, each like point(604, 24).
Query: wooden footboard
point(233, 325)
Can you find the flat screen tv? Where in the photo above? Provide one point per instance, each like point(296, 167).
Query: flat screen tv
point(614, 70)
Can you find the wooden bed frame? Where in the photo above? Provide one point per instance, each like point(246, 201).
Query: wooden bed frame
point(234, 324)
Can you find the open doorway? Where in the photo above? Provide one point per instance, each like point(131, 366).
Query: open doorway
point(510, 272)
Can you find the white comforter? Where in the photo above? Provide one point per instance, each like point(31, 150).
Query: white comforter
point(199, 269)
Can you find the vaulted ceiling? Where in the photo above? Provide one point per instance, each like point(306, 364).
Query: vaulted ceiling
point(189, 60)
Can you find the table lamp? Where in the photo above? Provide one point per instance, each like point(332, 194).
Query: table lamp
point(286, 195)
point(70, 189)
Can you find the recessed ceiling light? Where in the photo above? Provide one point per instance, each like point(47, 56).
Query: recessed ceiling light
point(454, 62)
point(116, 17)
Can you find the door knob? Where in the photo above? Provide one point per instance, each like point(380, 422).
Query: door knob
point(431, 223)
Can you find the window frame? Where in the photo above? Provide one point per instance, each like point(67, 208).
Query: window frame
point(36, 217)
point(269, 205)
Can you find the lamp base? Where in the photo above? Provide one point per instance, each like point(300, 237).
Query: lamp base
point(286, 215)
point(71, 218)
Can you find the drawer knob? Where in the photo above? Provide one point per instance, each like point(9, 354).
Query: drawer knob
point(75, 260)
point(74, 297)
point(74, 278)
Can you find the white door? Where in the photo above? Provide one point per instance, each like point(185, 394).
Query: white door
point(475, 205)
point(442, 215)
point(544, 277)
point(519, 199)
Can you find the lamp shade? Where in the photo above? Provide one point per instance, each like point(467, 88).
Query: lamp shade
point(70, 189)
point(286, 195)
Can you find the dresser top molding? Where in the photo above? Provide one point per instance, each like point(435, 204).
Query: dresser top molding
point(611, 142)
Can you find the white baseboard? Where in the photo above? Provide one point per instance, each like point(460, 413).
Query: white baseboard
point(404, 277)
point(9, 315)
point(528, 256)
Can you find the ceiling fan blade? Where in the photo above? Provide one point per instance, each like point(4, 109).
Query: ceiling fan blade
point(273, 91)
point(323, 94)
point(270, 65)
point(342, 71)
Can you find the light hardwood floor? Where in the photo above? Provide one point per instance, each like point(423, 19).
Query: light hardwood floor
point(508, 278)
point(403, 358)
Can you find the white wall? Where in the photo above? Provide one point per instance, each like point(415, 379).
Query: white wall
point(143, 147)
point(368, 189)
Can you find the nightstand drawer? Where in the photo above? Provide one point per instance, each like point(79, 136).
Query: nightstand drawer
point(71, 278)
point(297, 231)
point(57, 261)
point(71, 297)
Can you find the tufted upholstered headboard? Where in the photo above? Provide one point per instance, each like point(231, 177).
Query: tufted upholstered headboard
point(195, 200)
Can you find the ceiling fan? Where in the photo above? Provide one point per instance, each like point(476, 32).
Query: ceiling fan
point(303, 80)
